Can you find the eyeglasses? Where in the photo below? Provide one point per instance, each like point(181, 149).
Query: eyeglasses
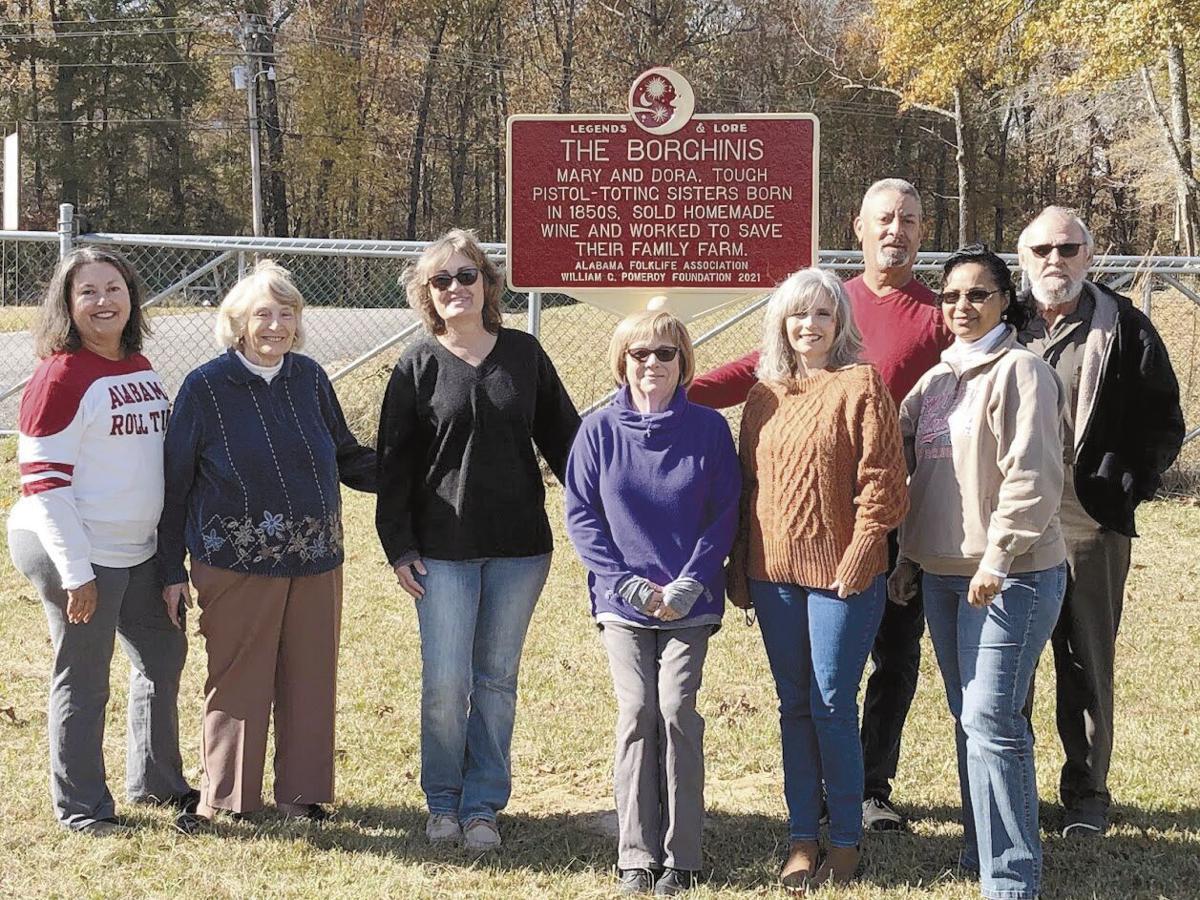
point(1066, 251)
point(975, 296)
point(465, 277)
point(662, 354)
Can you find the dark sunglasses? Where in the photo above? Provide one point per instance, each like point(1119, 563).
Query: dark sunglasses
point(975, 296)
point(465, 277)
point(1066, 251)
point(662, 354)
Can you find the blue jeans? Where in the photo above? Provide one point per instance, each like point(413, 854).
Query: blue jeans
point(473, 618)
point(817, 646)
point(987, 656)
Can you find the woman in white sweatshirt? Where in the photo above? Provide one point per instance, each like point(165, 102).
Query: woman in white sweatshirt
point(92, 421)
point(984, 449)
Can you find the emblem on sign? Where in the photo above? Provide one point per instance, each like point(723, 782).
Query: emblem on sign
point(661, 101)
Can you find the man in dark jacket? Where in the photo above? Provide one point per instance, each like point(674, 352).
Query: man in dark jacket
point(1123, 428)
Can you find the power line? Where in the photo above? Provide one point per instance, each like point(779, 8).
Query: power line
point(89, 21)
point(93, 35)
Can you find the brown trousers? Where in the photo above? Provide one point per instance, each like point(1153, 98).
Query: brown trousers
point(271, 642)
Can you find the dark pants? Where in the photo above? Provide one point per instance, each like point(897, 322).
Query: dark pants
point(129, 607)
point(1085, 643)
point(895, 661)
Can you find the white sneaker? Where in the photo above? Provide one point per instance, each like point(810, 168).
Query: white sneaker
point(481, 835)
point(441, 828)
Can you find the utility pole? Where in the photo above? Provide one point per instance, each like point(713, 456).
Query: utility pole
point(249, 30)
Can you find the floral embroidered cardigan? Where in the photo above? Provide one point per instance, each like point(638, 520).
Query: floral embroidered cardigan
point(252, 471)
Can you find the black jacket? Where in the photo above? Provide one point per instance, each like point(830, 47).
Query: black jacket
point(458, 475)
point(1128, 422)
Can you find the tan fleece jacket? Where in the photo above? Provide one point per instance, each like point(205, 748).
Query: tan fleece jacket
point(984, 450)
point(822, 482)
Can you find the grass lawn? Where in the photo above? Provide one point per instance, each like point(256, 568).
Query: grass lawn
point(557, 828)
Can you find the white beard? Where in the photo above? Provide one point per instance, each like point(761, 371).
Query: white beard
point(1060, 295)
point(891, 258)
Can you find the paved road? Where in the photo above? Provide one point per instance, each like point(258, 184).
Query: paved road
point(181, 342)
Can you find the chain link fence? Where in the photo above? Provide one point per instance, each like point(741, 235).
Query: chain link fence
point(358, 320)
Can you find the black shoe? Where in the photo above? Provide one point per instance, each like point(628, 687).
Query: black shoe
point(185, 802)
point(635, 881)
point(189, 823)
point(107, 827)
point(313, 812)
point(1084, 824)
point(676, 881)
point(880, 815)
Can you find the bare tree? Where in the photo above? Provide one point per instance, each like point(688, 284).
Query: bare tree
point(422, 125)
point(1177, 134)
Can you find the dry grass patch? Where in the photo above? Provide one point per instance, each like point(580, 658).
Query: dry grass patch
point(557, 827)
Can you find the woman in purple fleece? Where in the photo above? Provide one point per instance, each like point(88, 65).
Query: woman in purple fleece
point(651, 499)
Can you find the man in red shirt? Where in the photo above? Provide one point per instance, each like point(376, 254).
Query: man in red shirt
point(903, 335)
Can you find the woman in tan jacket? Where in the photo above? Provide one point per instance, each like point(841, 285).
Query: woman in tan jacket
point(823, 484)
point(983, 443)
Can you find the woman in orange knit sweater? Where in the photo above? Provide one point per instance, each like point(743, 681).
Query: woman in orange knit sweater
point(823, 484)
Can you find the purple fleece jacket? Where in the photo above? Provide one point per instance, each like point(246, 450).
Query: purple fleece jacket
point(654, 495)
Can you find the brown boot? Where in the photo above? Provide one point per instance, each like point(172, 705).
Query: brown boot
point(838, 867)
point(798, 869)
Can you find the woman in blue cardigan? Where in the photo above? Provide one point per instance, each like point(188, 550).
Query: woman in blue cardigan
point(255, 449)
point(652, 503)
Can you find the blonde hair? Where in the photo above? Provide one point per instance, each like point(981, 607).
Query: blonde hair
point(650, 325)
point(266, 279)
point(796, 296)
point(416, 278)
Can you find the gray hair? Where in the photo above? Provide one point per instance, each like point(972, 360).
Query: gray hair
point(795, 296)
point(268, 279)
point(1062, 212)
point(890, 185)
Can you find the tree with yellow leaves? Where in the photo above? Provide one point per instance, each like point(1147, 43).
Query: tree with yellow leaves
point(1147, 39)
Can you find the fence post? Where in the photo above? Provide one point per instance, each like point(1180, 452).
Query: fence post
point(66, 229)
point(1147, 293)
point(535, 314)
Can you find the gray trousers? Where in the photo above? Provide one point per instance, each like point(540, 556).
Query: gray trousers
point(1085, 643)
point(130, 605)
point(658, 769)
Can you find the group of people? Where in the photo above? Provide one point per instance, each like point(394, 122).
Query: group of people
point(971, 459)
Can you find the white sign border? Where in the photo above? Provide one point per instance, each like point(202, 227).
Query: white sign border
point(650, 290)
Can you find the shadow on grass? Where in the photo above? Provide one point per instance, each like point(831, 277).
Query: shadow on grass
point(744, 851)
point(1147, 854)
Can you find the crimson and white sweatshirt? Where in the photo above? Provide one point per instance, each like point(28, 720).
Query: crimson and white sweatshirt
point(91, 458)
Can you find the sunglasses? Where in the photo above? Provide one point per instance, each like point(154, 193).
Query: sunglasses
point(1066, 251)
point(662, 354)
point(465, 277)
point(975, 296)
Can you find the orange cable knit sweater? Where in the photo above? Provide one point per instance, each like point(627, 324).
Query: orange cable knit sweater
point(824, 481)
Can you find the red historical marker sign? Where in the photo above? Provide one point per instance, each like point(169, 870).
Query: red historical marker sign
point(661, 199)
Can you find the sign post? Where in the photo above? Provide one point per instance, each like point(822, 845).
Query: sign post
point(702, 210)
point(12, 183)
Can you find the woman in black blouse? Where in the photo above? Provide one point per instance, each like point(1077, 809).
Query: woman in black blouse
point(461, 515)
